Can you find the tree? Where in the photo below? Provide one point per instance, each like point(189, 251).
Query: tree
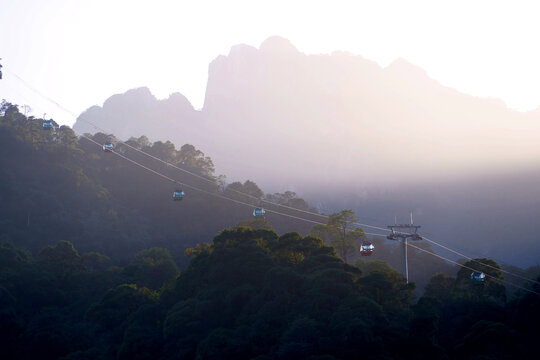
point(248, 187)
point(385, 286)
point(292, 249)
point(198, 249)
point(10, 256)
point(163, 150)
point(256, 224)
point(340, 233)
point(95, 260)
point(143, 336)
point(194, 160)
point(252, 189)
point(152, 268)
point(441, 287)
point(288, 198)
point(141, 143)
point(491, 288)
point(67, 137)
point(61, 260)
point(103, 138)
point(115, 307)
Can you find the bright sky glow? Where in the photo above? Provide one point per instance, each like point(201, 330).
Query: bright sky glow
point(80, 52)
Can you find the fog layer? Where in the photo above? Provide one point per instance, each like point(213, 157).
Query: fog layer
point(348, 133)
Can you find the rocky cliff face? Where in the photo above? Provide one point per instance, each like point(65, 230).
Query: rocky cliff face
point(335, 118)
point(137, 112)
point(348, 133)
point(338, 117)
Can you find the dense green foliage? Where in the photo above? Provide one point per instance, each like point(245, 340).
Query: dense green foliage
point(57, 186)
point(91, 249)
point(251, 293)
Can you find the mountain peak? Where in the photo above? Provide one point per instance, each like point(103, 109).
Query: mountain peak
point(179, 102)
point(277, 44)
point(403, 67)
point(410, 73)
point(141, 95)
point(242, 50)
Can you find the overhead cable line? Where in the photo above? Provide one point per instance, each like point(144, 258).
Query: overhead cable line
point(237, 191)
point(279, 213)
point(479, 262)
point(319, 223)
point(205, 191)
point(189, 172)
point(469, 268)
point(179, 168)
point(41, 94)
point(176, 167)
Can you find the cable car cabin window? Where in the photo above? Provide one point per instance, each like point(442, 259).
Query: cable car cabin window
point(258, 212)
point(178, 194)
point(108, 147)
point(478, 276)
point(366, 249)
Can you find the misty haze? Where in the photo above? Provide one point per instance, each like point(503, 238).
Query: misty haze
point(345, 133)
point(178, 183)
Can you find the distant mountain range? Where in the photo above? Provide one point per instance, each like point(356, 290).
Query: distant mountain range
point(344, 132)
point(285, 118)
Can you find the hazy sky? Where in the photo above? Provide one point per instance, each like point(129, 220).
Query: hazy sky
point(80, 52)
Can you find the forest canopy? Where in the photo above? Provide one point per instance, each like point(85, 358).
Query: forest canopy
point(98, 262)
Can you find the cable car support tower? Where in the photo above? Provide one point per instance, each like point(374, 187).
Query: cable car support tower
point(403, 232)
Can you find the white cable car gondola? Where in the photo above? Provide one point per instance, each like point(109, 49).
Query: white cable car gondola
point(366, 249)
point(478, 276)
point(108, 147)
point(258, 212)
point(178, 194)
point(47, 124)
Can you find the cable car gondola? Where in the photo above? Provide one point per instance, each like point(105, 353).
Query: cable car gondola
point(478, 277)
point(108, 147)
point(366, 249)
point(47, 124)
point(258, 212)
point(178, 194)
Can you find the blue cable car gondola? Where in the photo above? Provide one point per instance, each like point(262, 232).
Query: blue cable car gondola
point(108, 147)
point(478, 276)
point(47, 124)
point(258, 212)
point(366, 249)
point(178, 194)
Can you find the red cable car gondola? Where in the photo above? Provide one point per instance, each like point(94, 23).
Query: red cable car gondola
point(108, 147)
point(366, 249)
